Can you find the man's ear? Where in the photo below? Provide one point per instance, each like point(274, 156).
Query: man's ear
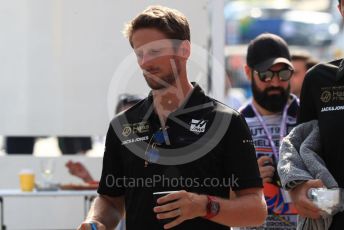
point(185, 49)
point(248, 72)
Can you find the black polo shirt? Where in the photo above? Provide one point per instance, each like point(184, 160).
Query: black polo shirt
point(322, 98)
point(207, 149)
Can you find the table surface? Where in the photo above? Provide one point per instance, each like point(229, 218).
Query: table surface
point(19, 193)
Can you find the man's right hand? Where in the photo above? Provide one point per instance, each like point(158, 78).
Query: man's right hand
point(304, 206)
point(87, 226)
point(266, 169)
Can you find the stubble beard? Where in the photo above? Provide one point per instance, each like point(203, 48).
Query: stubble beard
point(156, 82)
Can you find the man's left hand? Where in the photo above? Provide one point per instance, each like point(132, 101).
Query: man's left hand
point(183, 206)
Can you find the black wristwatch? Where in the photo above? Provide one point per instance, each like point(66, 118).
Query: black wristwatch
point(213, 207)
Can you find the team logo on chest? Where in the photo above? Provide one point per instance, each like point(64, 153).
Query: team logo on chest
point(135, 128)
point(325, 96)
point(332, 94)
point(198, 126)
point(126, 131)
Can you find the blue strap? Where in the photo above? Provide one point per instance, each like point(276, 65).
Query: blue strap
point(93, 226)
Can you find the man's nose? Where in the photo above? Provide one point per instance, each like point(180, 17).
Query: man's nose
point(144, 61)
point(275, 81)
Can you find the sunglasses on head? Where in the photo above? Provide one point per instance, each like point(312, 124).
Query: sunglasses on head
point(283, 74)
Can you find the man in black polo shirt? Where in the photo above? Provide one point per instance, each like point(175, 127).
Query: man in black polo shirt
point(176, 139)
point(322, 98)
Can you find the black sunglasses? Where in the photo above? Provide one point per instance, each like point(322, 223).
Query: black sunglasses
point(283, 74)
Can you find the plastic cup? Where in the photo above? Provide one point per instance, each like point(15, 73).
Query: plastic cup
point(27, 180)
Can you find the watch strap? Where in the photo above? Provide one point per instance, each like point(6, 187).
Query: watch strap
point(211, 212)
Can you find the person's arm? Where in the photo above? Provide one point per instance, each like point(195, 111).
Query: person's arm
point(235, 212)
point(298, 175)
point(238, 211)
point(79, 170)
point(106, 212)
point(108, 207)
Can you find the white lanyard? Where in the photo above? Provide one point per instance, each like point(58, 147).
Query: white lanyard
point(282, 128)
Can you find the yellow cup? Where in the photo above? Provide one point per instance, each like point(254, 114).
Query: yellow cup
point(27, 180)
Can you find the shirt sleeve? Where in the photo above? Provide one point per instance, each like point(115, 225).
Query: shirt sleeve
point(307, 109)
point(112, 172)
point(240, 156)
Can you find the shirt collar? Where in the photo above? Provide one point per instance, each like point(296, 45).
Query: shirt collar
point(340, 72)
point(195, 98)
